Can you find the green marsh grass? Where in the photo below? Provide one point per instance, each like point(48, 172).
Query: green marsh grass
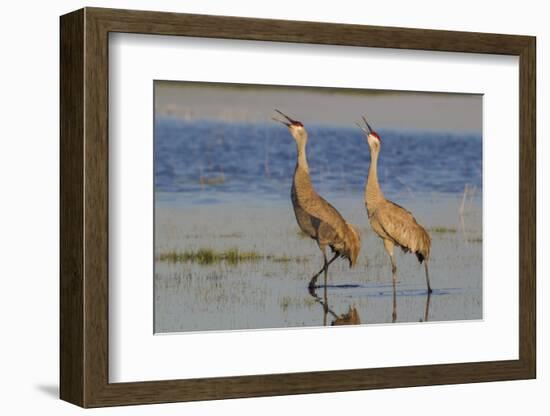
point(286, 259)
point(442, 230)
point(285, 302)
point(233, 256)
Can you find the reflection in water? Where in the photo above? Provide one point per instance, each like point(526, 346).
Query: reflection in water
point(394, 307)
point(427, 310)
point(349, 318)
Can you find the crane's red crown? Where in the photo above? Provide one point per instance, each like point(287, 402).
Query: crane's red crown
point(368, 129)
point(375, 134)
point(296, 123)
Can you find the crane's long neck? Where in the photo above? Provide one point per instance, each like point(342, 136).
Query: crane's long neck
point(301, 161)
point(301, 183)
point(373, 193)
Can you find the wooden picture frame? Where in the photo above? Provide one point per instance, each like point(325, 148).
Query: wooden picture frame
point(84, 207)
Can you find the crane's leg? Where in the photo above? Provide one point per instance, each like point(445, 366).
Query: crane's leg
point(325, 298)
point(326, 263)
point(427, 276)
point(336, 255)
point(388, 245)
point(313, 280)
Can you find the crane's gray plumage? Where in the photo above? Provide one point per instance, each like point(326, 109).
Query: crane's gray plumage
point(315, 216)
point(394, 224)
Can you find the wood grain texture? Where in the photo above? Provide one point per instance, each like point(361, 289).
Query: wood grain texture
point(96, 208)
point(84, 207)
point(162, 23)
point(71, 213)
point(527, 207)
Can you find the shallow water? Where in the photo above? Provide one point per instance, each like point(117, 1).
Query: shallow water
point(223, 186)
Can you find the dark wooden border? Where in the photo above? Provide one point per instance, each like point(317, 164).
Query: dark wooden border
point(84, 207)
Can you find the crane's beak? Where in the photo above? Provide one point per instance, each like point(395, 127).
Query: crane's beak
point(286, 123)
point(368, 130)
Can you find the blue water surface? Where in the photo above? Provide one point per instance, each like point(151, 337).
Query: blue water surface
point(210, 161)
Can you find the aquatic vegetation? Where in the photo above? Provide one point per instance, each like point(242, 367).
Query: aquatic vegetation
point(226, 235)
point(233, 256)
point(442, 230)
point(286, 259)
point(205, 256)
point(213, 180)
point(309, 302)
point(231, 235)
point(284, 302)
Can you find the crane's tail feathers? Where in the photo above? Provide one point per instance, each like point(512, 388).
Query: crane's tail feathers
point(353, 244)
point(421, 246)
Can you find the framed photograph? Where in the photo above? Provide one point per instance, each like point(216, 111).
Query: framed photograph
point(255, 207)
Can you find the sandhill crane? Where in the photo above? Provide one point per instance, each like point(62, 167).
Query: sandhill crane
point(315, 216)
point(394, 224)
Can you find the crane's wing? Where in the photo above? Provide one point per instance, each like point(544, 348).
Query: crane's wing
point(326, 219)
point(323, 210)
point(400, 225)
